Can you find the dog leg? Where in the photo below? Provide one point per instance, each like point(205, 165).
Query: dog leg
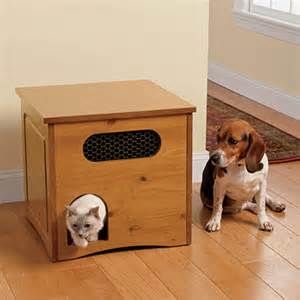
point(260, 198)
point(250, 206)
point(274, 204)
point(214, 223)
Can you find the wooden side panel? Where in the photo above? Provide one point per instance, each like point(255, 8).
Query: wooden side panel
point(146, 197)
point(23, 128)
point(36, 178)
point(189, 178)
point(51, 193)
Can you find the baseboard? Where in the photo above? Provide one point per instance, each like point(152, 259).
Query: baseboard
point(199, 162)
point(11, 181)
point(255, 90)
point(11, 186)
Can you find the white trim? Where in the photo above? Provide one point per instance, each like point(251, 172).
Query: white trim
point(11, 181)
point(255, 90)
point(268, 26)
point(11, 186)
point(276, 15)
point(199, 161)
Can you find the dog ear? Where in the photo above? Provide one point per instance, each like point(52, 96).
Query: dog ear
point(255, 153)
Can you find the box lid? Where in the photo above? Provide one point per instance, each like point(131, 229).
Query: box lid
point(102, 101)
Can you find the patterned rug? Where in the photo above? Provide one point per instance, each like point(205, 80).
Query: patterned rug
point(281, 146)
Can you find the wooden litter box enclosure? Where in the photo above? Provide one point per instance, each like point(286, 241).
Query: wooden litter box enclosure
point(129, 142)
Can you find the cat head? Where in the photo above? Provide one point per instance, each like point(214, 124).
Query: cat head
point(84, 224)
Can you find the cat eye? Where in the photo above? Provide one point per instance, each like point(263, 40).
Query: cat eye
point(74, 225)
point(232, 141)
point(87, 225)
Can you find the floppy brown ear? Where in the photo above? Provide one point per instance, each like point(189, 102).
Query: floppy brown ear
point(255, 153)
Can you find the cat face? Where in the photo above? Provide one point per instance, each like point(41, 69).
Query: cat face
point(84, 225)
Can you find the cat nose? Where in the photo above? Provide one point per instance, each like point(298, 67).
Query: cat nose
point(80, 235)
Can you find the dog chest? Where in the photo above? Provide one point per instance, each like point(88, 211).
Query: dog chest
point(242, 185)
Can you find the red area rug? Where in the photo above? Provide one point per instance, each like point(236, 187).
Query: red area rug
point(281, 146)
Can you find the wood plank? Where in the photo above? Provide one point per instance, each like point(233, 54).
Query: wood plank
point(281, 240)
point(86, 283)
point(22, 249)
point(280, 275)
point(18, 208)
point(256, 256)
point(96, 282)
point(284, 187)
point(290, 218)
point(132, 277)
point(290, 170)
point(235, 239)
point(102, 101)
point(217, 263)
point(5, 291)
point(233, 236)
point(181, 277)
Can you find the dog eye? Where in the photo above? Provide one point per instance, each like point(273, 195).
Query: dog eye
point(232, 141)
point(87, 225)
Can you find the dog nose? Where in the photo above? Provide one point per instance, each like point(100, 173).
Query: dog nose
point(215, 158)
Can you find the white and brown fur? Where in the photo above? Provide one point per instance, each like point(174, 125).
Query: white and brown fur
point(235, 176)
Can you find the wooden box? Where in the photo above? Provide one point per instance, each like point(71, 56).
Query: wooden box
point(148, 197)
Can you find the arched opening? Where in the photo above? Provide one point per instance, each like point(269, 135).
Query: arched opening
point(103, 232)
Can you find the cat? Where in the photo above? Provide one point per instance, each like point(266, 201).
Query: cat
point(85, 218)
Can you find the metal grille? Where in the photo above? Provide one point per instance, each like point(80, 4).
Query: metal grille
point(121, 145)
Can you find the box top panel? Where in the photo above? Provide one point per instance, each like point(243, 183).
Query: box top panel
point(100, 101)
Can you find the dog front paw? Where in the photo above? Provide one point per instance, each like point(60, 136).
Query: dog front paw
point(280, 207)
point(266, 226)
point(213, 225)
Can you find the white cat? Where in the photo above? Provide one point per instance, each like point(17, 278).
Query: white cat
point(85, 218)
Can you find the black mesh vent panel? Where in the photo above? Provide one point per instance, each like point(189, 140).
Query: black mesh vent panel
point(121, 145)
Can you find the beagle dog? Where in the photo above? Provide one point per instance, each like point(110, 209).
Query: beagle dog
point(235, 176)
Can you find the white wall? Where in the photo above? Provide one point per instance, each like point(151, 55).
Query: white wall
point(273, 63)
point(72, 41)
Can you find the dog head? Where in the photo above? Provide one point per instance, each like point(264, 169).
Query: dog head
point(237, 140)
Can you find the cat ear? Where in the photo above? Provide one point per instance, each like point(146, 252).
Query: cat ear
point(70, 211)
point(94, 212)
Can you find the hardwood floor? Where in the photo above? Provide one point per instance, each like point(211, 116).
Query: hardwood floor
point(239, 262)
